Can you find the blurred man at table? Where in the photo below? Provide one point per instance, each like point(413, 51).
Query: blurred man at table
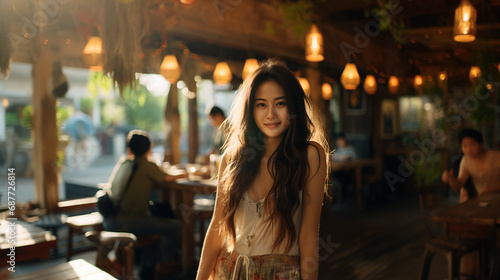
point(482, 165)
point(343, 151)
point(217, 117)
point(133, 216)
point(469, 188)
point(342, 183)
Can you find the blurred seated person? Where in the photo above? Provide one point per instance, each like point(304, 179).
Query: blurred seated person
point(133, 215)
point(217, 117)
point(343, 151)
point(478, 163)
point(469, 187)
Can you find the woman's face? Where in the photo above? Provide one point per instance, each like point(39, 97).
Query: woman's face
point(471, 147)
point(270, 110)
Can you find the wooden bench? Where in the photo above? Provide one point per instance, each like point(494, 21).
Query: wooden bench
point(80, 223)
point(77, 205)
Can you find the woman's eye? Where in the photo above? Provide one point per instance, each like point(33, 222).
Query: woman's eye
point(260, 105)
point(281, 104)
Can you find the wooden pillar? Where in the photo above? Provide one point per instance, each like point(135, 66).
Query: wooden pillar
point(189, 71)
point(313, 75)
point(377, 124)
point(44, 129)
point(193, 121)
point(173, 120)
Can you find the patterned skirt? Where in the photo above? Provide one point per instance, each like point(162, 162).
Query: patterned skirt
point(231, 265)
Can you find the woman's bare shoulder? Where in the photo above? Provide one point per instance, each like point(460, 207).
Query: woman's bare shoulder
point(315, 150)
point(315, 155)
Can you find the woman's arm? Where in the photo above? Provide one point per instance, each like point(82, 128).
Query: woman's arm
point(311, 212)
point(169, 177)
point(213, 240)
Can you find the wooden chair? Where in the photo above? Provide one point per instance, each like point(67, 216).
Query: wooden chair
point(115, 252)
point(78, 225)
point(453, 249)
point(203, 209)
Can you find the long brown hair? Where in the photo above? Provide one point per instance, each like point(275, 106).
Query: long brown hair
point(288, 165)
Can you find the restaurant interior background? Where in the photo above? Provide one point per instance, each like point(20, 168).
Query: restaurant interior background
point(399, 78)
point(436, 90)
point(413, 88)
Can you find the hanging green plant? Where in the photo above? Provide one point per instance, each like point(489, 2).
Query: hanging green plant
point(297, 15)
point(484, 108)
point(387, 20)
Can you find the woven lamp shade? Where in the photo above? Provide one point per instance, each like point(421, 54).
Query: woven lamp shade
point(393, 85)
point(350, 77)
point(222, 73)
point(370, 84)
point(314, 45)
point(170, 69)
point(93, 54)
point(251, 64)
point(464, 29)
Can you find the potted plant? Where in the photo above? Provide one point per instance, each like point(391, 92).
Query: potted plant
point(428, 178)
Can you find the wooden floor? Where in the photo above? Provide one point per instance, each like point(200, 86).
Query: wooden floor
point(384, 241)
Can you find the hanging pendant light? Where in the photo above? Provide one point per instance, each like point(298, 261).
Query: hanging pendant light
point(393, 85)
point(170, 69)
point(474, 73)
point(326, 91)
point(442, 79)
point(251, 64)
point(418, 82)
point(443, 76)
point(314, 45)
point(93, 54)
point(465, 22)
point(370, 84)
point(222, 73)
point(350, 77)
point(304, 83)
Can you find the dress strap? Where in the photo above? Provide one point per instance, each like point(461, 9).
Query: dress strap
point(246, 262)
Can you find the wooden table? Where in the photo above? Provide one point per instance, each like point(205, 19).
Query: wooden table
point(483, 210)
point(477, 214)
point(76, 269)
point(32, 242)
point(181, 194)
point(357, 165)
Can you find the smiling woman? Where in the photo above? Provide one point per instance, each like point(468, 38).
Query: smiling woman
point(271, 184)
